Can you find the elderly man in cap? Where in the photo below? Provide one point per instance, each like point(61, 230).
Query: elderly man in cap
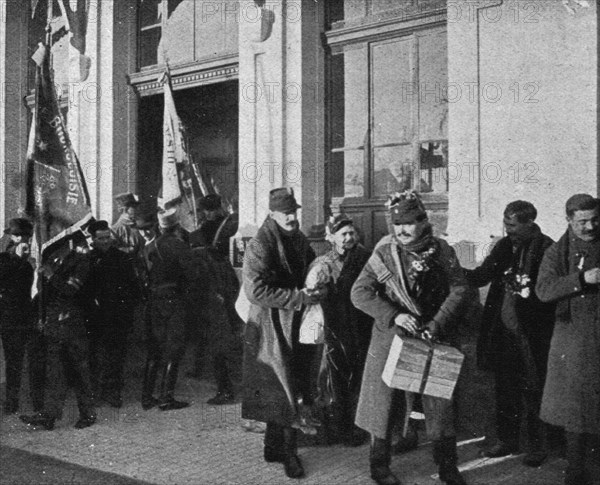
point(211, 245)
point(428, 303)
point(66, 273)
point(276, 366)
point(570, 277)
point(347, 331)
point(516, 328)
point(129, 240)
point(114, 290)
point(171, 273)
point(16, 278)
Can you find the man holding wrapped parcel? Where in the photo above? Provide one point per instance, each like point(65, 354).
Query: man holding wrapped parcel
point(412, 285)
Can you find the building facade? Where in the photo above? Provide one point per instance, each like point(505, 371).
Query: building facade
point(472, 102)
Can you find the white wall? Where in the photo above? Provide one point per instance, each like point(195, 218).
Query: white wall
point(523, 102)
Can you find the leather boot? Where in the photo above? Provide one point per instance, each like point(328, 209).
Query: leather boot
point(292, 464)
point(274, 445)
point(380, 458)
point(167, 401)
point(148, 400)
point(224, 386)
point(444, 454)
point(39, 420)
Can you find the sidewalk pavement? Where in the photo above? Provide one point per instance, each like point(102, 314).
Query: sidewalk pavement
point(206, 444)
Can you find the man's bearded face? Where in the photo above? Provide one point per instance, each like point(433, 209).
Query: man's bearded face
point(288, 220)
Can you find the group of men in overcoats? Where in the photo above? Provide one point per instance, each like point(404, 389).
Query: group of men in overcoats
point(413, 285)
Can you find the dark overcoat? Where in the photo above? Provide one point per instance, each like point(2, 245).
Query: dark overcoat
point(447, 288)
point(535, 317)
point(271, 333)
point(572, 391)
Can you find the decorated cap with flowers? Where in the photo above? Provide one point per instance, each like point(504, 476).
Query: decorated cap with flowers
point(406, 208)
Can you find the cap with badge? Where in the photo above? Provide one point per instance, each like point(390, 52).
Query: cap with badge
point(126, 200)
point(19, 227)
point(406, 208)
point(283, 200)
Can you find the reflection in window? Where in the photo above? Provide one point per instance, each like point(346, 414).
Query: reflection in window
point(150, 32)
point(434, 166)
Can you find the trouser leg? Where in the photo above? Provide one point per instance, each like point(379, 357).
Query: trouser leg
point(13, 342)
point(508, 408)
point(57, 387)
point(576, 451)
point(37, 356)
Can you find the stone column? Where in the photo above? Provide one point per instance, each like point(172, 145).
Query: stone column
point(14, 114)
point(281, 108)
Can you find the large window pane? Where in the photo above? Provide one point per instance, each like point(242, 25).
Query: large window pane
point(393, 168)
point(391, 93)
point(148, 46)
point(354, 173)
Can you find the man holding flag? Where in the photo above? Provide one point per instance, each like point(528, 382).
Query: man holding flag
point(58, 204)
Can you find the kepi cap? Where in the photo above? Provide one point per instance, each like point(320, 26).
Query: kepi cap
point(406, 208)
point(19, 227)
point(126, 200)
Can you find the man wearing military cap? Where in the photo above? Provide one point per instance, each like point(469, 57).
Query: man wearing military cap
point(276, 365)
point(16, 278)
point(114, 291)
point(427, 303)
point(171, 273)
point(570, 277)
point(216, 321)
point(128, 238)
point(347, 331)
point(66, 273)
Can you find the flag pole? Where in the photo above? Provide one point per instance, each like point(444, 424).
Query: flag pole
point(49, 15)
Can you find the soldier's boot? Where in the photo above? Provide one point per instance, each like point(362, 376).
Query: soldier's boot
point(150, 372)
point(274, 451)
point(292, 464)
point(224, 385)
point(39, 420)
point(167, 400)
point(380, 457)
point(536, 434)
point(444, 455)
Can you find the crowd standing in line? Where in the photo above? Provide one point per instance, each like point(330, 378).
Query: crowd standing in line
point(539, 332)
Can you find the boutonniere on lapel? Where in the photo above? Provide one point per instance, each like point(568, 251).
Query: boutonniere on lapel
point(517, 283)
point(581, 256)
point(423, 264)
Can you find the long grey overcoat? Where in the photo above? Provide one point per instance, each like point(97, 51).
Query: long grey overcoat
point(270, 379)
point(572, 391)
point(448, 287)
